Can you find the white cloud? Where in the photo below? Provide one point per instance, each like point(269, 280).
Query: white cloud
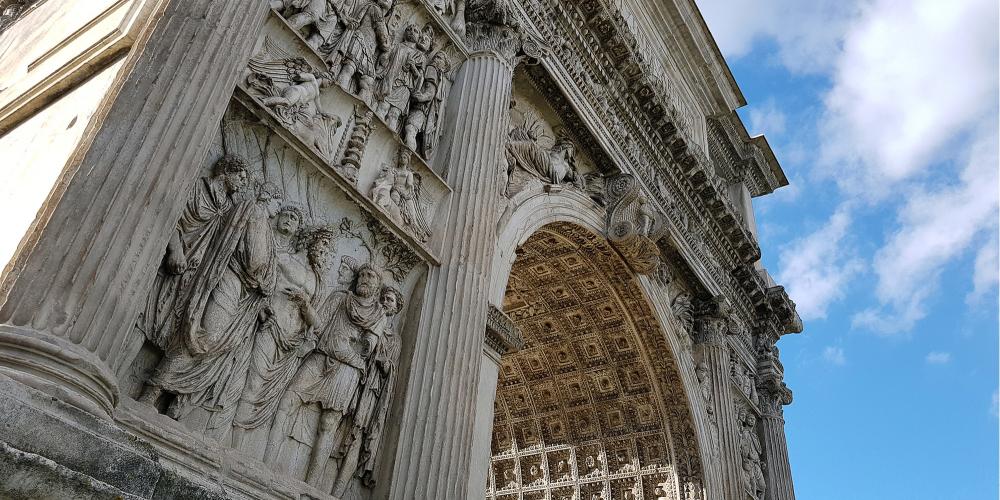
point(834, 355)
point(816, 269)
point(807, 33)
point(938, 358)
point(935, 227)
point(986, 271)
point(767, 118)
point(914, 75)
point(909, 125)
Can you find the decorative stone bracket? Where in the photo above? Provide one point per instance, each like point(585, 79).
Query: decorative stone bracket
point(501, 333)
point(633, 226)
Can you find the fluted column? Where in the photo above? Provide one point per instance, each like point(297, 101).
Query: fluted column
point(69, 298)
point(436, 429)
point(712, 328)
point(774, 395)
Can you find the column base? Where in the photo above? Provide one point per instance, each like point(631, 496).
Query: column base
point(58, 368)
point(49, 449)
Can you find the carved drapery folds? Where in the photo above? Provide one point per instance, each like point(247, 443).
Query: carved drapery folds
point(633, 226)
point(277, 330)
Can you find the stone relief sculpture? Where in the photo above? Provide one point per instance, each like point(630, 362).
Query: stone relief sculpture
point(750, 454)
point(330, 377)
point(397, 191)
point(634, 226)
point(403, 67)
point(527, 155)
point(313, 18)
point(368, 423)
point(354, 51)
point(291, 88)
point(207, 350)
point(285, 334)
point(705, 383)
point(354, 152)
point(421, 127)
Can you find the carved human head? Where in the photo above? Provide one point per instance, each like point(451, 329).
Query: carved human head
point(368, 281)
point(345, 273)
point(319, 245)
point(564, 147)
point(234, 172)
point(411, 33)
point(701, 370)
point(441, 61)
point(289, 219)
point(391, 300)
point(426, 38)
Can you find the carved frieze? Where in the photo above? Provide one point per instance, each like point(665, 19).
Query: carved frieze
point(292, 85)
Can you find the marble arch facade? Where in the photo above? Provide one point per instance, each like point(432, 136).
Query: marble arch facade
point(364, 249)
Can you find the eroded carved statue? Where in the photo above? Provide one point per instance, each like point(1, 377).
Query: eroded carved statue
point(291, 87)
point(324, 390)
point(227, 250)
point(360, 446)
point(634, 227)
point(750, 455)
point(353, 51)
point(285, 334)
point(403, 69)
point(397, 191)
point(421, 127)
point(554, 165)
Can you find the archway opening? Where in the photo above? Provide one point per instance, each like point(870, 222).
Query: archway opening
point(592, 407)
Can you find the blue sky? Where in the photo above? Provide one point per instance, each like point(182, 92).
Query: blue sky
point(883, 114)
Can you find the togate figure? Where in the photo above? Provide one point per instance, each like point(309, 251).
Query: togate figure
point(403, 68)
point(750, 454)
point(421, 128)
point(208, 354)
point(554, 166)
point(363, 433)
point(286, 333)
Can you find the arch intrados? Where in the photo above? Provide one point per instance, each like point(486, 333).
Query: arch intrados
point(566, 213)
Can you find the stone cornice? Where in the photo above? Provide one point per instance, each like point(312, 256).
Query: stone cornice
point(653, 139)
point(502, 335)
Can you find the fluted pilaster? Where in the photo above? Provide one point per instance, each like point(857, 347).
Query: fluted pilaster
point(436, 430)
point(71, 295)
point(778, 471)
point(711, 331)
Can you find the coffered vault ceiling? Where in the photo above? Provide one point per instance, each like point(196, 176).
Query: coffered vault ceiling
point(593, 404)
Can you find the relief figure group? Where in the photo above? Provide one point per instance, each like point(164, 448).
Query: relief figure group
point(259, 351)
point(402, 76)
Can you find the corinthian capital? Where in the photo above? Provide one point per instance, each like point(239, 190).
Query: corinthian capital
point(496, 26)
point(712, 322)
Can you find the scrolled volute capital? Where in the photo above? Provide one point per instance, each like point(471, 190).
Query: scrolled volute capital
point(712, 321)
point(495, 26)
point(633, 225)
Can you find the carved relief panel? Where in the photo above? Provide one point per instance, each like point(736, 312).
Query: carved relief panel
point(273, 325)
point(540, 150)
point(362, 87)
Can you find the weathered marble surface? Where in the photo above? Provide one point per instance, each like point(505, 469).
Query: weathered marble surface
point(384, 249)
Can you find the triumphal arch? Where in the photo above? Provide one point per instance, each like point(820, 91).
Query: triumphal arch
point(366, 249)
